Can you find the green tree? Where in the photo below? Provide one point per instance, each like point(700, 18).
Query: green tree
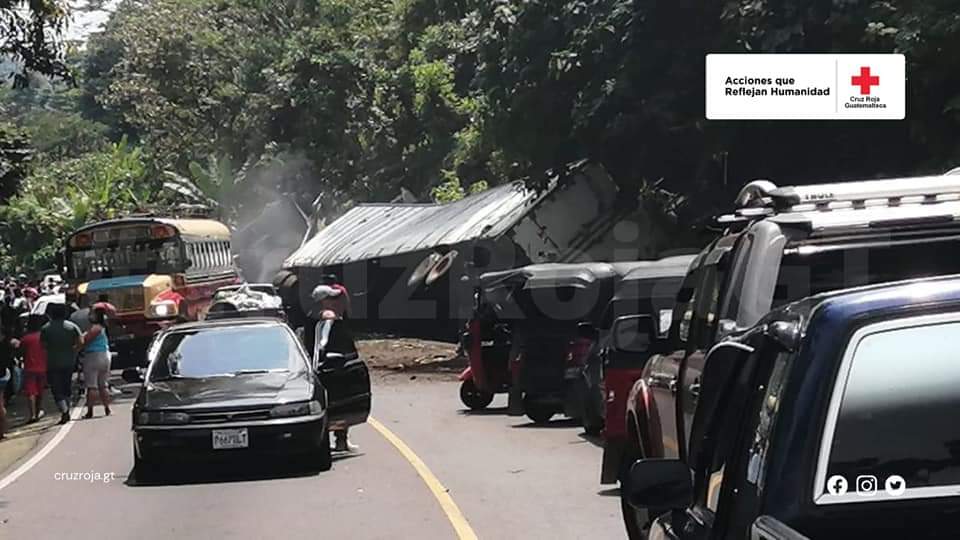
point(31, 36)
point(58, 198)
point(15, 155)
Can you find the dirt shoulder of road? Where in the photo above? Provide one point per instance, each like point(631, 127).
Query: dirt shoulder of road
point(394, 358)
point(22, 437)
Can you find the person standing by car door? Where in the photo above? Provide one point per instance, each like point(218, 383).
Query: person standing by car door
point(330, 302)
point(62, 340)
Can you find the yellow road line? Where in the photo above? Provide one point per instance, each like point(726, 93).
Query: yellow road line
point(450, 508)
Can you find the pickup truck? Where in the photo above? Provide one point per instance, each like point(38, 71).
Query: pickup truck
point(829, 418)
point(782, 245)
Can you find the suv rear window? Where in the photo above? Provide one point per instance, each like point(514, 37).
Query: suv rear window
point(805, 274)
point(893, 417)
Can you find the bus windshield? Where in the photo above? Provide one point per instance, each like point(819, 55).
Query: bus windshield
point(126, 259)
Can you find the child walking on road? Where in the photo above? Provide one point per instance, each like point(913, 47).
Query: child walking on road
point(34, 367)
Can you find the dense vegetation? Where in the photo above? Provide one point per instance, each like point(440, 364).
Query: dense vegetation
point(242, 100)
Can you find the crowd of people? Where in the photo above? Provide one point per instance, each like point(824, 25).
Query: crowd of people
point(43, 350)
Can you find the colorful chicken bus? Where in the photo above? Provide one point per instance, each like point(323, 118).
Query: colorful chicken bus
point(154, 271)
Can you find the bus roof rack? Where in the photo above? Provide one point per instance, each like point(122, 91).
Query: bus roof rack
point(192, 211)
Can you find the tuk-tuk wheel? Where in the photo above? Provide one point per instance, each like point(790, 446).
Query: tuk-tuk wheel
point(540, 413)
point(473, 397)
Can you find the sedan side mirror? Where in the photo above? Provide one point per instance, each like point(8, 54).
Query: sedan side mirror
point(132, 375)
point(660, 483)
point(632, 334)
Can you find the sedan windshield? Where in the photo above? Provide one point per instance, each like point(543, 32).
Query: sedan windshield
point(235, 351)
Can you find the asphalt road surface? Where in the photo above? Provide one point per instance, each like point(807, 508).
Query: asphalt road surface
point(501, 478)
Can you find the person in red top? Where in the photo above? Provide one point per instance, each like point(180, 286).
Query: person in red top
point(34, 366)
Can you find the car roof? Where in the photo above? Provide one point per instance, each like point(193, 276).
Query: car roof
point(836, 308)
point(252, 286)
point(224, 323)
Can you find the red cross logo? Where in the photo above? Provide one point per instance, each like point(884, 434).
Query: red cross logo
point(865, 81)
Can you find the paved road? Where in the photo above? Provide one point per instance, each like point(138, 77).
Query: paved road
point(509, 479)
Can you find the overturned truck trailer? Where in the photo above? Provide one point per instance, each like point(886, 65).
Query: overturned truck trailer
point(412, 268)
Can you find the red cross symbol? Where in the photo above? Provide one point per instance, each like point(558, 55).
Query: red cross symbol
point(865, 81)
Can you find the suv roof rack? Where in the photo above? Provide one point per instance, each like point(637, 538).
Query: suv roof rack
point(857, 194)
point(762, 198)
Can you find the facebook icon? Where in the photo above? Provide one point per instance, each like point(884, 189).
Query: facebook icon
point(837, 485)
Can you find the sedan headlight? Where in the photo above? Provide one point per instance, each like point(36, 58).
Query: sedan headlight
point(161, 417)
point(162, 310)
point(302, 408)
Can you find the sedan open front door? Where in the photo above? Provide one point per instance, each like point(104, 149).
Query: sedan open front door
point(343, 373)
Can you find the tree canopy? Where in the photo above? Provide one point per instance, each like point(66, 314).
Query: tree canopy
point(30, 35)
point(332, 101)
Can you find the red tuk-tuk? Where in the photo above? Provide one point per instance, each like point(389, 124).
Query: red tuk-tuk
point(561, 304)
point(487, 340)
point(642, 306)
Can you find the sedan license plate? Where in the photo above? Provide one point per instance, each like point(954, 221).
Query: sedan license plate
point(225, 439)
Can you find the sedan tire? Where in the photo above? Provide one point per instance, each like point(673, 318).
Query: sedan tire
point(145, 471)
point(325, 460)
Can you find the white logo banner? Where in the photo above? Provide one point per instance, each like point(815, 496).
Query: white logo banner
point(806, 87)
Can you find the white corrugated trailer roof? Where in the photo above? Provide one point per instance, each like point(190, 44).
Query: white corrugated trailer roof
point(377, 230)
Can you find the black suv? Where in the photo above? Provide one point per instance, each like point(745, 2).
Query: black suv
point(828, 419)
point(781, 245)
